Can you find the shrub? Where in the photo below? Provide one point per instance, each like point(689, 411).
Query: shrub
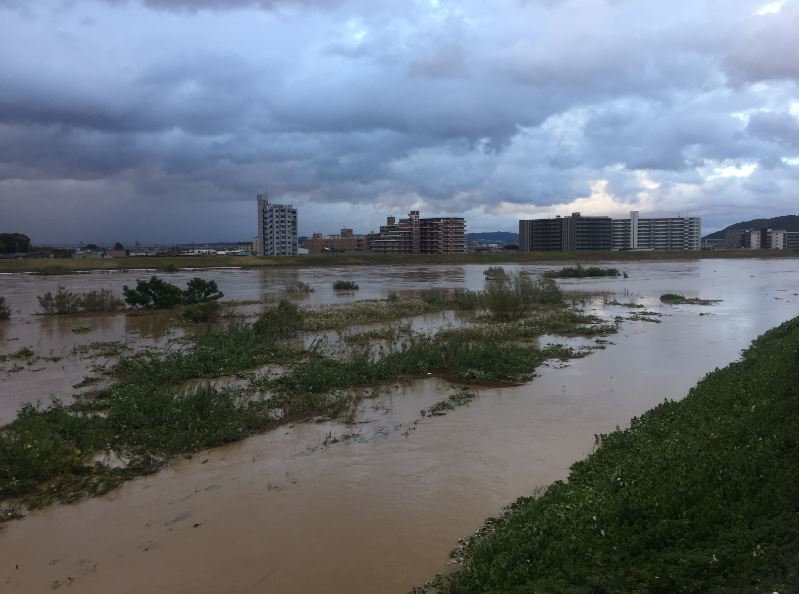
point(510, 296)
point(64, 301)
point(207, 311)
point(298, 287)
point(672, 298)
point(200, 290)
point(342, 285)
point(5, 311)
point(153, 294)
point(61, 302)
point(580, 272)
point(458, 298)
point(494, 272)
point(284, 320)
point(102, 300)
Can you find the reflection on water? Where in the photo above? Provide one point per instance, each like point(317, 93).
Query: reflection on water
point(379, 511)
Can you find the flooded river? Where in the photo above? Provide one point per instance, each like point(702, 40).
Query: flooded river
point(374, 506)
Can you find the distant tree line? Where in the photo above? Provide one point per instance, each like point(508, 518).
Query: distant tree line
point(13, 243)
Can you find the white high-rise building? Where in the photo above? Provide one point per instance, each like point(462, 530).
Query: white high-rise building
point(670, 234)
point(277, 228)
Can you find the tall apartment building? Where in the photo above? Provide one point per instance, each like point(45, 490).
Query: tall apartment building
point(670, 234)
point(277, 228)
point(415, 235)
point(572, 233)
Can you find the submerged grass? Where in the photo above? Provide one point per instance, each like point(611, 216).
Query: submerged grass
point(677, 299)
point(581, 272)
point(696, 496)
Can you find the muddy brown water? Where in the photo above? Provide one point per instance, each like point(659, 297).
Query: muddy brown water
point(375, 506)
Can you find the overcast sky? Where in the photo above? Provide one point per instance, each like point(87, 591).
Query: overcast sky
point(159, 120)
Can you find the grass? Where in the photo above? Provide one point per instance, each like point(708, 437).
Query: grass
point(698, 495)
point(511, 296)
point(459, 398)
point(676, 299)
point(64, 302)
point(368, 312)
point(581, 272)
point(174, 263)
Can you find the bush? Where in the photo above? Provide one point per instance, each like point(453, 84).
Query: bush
point(153, 294)
point(59, 303)
point(207, 311)
point(458, 298)
point(284, 320)
point(200, 290)
point(102, 300)
point(64, 301)
point(342, 285)
point(509, 296)
point(298, 287)
point(5, 311)
point(580, 272)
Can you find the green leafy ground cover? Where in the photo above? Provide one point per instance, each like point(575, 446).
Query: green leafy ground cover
point(699, 495)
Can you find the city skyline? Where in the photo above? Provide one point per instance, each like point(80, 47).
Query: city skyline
point(157, 120)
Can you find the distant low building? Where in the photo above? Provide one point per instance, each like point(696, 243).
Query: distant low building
point(343, 243)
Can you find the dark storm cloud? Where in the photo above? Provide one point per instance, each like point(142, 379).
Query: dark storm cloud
point(495, 111)
point(782, 128)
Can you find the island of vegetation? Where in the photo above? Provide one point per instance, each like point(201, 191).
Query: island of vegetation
point(581, 272)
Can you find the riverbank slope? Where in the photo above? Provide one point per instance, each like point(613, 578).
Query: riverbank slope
point(698, 495)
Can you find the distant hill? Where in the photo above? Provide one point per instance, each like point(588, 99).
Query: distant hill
point(503, 237)
point(784, 223)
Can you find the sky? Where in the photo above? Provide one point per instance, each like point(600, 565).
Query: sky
point(160, 120)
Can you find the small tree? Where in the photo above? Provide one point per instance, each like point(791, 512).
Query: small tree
point(63, 301)
point(200, 290)
point(153, 294)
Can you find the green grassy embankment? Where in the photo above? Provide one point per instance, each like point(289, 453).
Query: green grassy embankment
point(699, 495)
point(66, 266)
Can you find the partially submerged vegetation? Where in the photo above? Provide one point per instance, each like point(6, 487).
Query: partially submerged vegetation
point(581, 272)
point(697, 495)
point(677, 299)
point(345, 285)
point(156, 293)
point(5, 310)
point(149, 413)
point(64, 301)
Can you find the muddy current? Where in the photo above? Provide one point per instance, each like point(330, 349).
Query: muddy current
point(374, 505)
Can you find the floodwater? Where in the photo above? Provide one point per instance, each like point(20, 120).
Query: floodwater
point(375, 506)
